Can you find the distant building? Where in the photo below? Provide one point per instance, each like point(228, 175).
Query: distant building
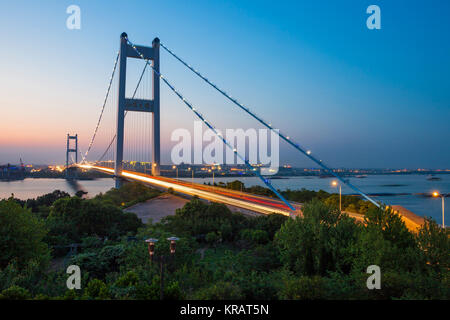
point(11, 172)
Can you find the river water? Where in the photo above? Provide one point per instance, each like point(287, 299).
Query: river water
point(404, 190)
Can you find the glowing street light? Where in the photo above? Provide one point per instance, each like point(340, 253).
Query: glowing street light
point(437, 194)
point(334, 183)
point(151, 250)
point(175, 167)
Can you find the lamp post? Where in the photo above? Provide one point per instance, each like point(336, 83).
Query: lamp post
point(334, 183)
point(151, 250)
point(175, 167)
point(437, 194)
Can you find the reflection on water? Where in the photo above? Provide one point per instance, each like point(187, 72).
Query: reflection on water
point(32, 188)
point(404, 190)
point(75, 185)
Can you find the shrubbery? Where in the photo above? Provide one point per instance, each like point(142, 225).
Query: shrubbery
point(220, 254)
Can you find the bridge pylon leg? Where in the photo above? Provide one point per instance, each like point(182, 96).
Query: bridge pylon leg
point(70, 173)
point(118, 164)
point(137, 105)
point(156, 118)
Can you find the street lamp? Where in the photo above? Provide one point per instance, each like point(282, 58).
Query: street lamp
point(151, 250)
point(334, 183)
point(437, 194)
point(175, 167)
point(151, 247)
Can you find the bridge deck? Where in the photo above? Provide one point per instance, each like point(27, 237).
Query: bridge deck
point(255, 203)
point(239, 199)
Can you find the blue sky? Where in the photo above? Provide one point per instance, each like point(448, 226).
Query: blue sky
point(356, 97)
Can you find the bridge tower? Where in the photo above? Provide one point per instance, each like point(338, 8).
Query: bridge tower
point(69, 149)
point(138, 105)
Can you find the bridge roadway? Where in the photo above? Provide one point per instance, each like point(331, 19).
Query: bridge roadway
point(251, 202)
point(255, 203)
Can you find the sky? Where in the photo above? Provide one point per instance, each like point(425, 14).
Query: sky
point(355, 97)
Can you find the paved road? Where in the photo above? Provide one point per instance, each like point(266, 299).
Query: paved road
point(234, 198)
point(157, 208)
point(240, 201)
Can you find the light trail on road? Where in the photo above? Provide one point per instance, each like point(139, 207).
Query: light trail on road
point(231, 197)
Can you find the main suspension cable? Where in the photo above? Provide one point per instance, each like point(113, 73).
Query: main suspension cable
point(103, 109)
point(210, 126)
point(286, 138)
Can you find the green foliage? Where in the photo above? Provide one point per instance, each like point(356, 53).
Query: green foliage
point(220, 291)
point(303, 288)
point(96, 289)
point(100, 262)
point(129, 194)
point(434, 242)
point(15, 293)
point(21, 236)
point(255, 236)
point(213, 237)
point(235, 185)
point(198, 219)
point(317, 243)
point(76, 218)
point(322, 255)
point(270, 223)
point(304, 195)
point(40, 203)
point(391, 225)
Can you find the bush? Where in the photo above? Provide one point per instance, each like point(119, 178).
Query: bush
point(319, 242)
point(198, 219)
point(303, 288)
point(96, 289)
point(78, 218)
point(15, 293)
point(220, 291)
point(21, 236)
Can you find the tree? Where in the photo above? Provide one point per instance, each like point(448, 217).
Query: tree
point(391, 226)
point(77, 218)
point(15, 293)
point(21, 236)
point(434, 241)
point(220, 291)
point(198, 219)
point(303, 288)
point(318, 242)
point(235, 185)
point(96, 289)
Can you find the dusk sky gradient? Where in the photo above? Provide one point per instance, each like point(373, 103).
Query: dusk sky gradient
point(356, 97)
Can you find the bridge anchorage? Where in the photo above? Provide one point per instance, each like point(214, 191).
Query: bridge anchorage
point(137, 105)
point(71, 171)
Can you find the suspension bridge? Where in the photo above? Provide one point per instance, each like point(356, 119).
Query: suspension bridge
point(125, 155)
